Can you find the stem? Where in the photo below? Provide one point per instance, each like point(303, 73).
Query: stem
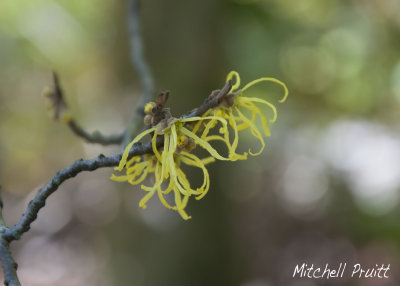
point(24, 224)
point(95, 137)
point(8, 263)
point(141, 66)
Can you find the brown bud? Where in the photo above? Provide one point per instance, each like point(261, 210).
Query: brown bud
point(147, 119)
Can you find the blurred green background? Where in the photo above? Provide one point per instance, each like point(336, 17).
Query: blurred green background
point(325, 190)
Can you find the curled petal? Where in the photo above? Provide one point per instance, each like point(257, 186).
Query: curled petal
point(271, 79)
point(181, 205)
point(161, 194)
point(164, 202)
point(214, 138)
point(202, 143)
point(259, 100)
point(192, 160)
point(165, 155)
point(200, 122)
point(128, 148)
point(174, 141)
point(140, 179)
point(207, 129)
point(147, 197)
point(236, 85)
point(215, 117)
point(208, 160)
point(185, 184)
point(254, 131)
point(154, 146)
point(232, 148)
point(134, 159)
point(119, 178)
point(256, 111)
point(234, 127)
point(151, 190)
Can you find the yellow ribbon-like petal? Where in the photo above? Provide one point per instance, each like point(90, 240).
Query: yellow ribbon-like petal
point(271, 79)
point(128, 148)
point(203, 144)
point(230, 76)
point(254, 130)
point(250, 100)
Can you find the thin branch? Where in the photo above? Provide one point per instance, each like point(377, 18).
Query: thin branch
point(96, 136)
point(15, 232)
point(212, 101)
point(141, 66)
point(7, 261)
point(59, 110)
point(8, 264)
point(2, 223)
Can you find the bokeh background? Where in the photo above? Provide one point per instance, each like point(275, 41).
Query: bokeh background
point(325, 190)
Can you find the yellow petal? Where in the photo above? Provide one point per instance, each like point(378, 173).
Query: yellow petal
point(151, 190)
point(198, 124)
point(197, 118)
point(214, 138)
point(140, 179)
point(147, 197)
point(165, 155)
point(179, 205)
point(271, 79)
point(154, 146)
point(192, 160)
point(174, 141)
point(186, 184)
point(234, 127)
point(256, 111)
point(203, 143)
point(133, 160)
point(119, 178)
point(208, 160)
point(259, 100)
point(237, 80)
point(169, 188)
point(209, 125)
point(163, 201)
point(254, 130)
point(128, 148)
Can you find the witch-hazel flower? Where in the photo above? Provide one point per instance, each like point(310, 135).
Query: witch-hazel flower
point(234, 108)
point(166, 163)
point(180, 136)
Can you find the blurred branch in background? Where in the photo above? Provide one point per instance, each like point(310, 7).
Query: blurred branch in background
point(96, 136)
point(59, 111)
point(139, 62)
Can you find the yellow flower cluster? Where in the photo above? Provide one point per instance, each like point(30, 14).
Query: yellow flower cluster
point(182, 135)
point(231, 110)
